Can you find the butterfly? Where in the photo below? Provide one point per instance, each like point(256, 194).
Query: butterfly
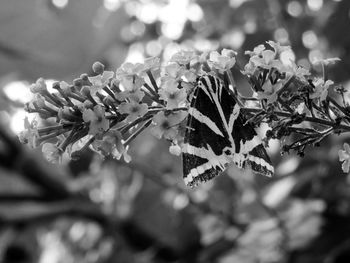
point(217, 135)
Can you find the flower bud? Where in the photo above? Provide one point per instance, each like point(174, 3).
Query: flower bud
point(88, 104)
point(98, 67)
point(85, 91)
point(40, 101)
point(28, 107)
point(228, 53)
point(85, 79)
point(39, 86)
point(65, 87)
point(78, 82)
point(56, 85)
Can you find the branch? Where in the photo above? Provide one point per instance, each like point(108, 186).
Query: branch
point(14, 198)
point(38, 171)
point(29, 212)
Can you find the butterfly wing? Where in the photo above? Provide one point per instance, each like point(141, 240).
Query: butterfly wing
point(204, 141)
point(248, 150)
point(217, 134)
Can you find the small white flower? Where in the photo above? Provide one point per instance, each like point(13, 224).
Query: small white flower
point(51, 152)
point(96, 119)
point(172, 94)
point(249, 69)
point(297, 71)
point(133, 109)
point(39, 86)
point(183, 57)
point(270, 91)
point(327, 61)
point(321, 89)
point(173, 70)
point(166, 125)
point(152, 63)
point(127, 70)
point(256, 51)
point(134, 95)
point(277, 47)
point(30, 134)
point(132, 83)
point(100, 81)
point(222, 62)
point(111, 144)
point(266, 60)
point(301, 108)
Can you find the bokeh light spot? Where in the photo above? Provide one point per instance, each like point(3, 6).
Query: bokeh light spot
point(153, 48)
point(236, 3)
point(315, 5)
point(52, 248)
point(194, 13)
point(137, 28)
point(281, 35)
point(77, 231)
point(49, 83)
point(135, 54)
point(132, 8)
point(309, 39)
point(315, 55)
point(204, 45)
point(250, 27)
point(126, 34)
point(234, 39)
point(280, 190)
point(294, 8)
point(170, 49)
point(172, 30)
point(17, 120)
point(180, 201)
point(112, 5)
point(288, 166)
point(60, 3)
point(18, 91)
point(147, 13)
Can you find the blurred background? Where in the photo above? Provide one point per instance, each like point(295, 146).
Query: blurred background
point(142, 212)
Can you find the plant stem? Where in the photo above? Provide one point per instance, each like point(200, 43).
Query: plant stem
point(335, 103)
point(228, 73)
point(153, 81)
point(150, 89)
point(127, 127)
point(133, 136)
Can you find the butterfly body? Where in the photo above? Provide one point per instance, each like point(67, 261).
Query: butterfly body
point(217, 135)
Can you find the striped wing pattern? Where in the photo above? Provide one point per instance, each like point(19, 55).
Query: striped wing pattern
point(216, 136)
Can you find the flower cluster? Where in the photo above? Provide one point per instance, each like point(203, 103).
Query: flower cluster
point(108, 110)
point(297, 107)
